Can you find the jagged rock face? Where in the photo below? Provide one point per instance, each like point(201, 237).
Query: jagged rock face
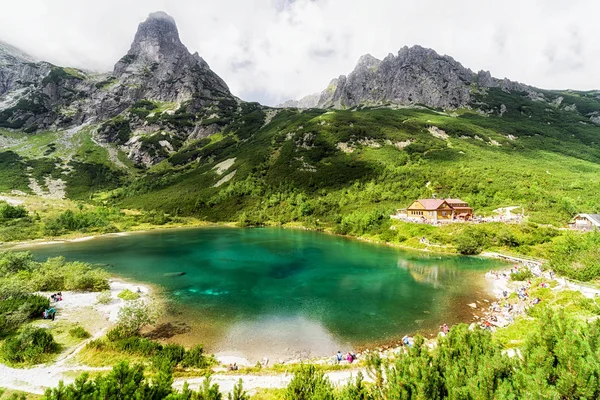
point(158, 66)
point(416, 75)
point(16, 67)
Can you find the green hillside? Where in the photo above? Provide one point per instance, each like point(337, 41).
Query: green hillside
point(293, 168)
point(322, 165)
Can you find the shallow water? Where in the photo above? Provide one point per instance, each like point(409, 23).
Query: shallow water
point(288, 293)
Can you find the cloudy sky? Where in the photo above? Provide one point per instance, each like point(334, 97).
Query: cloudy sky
point(273, 50)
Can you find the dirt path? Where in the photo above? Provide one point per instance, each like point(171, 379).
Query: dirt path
point(253, 382)
point(74, 307)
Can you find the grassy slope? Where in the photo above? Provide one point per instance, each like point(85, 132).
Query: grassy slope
point(536, 155)
point(550, 169)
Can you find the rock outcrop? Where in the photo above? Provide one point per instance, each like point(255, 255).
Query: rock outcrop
point(158, 77)
point(160, 67)
point(415, 75)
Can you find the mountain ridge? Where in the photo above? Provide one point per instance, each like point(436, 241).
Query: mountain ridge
point(163, 132)
point(416, 75)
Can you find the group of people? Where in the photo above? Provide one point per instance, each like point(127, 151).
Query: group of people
point(350, 357)
point(232, 367)
point(56, 296)
point(50, 313)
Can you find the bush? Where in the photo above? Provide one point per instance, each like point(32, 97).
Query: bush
point(11, 212)
point(470, 241)
point(309, 384)
point(32, 304)
point(195, 358)
point(577, 256)
point(104, 297)
point(13, 262)
point(79, 333)
point(28, 346)
point(128, 295)
point(173, 353)
point(57, 274)
point(238, 392)
point(523, 275)
point(134, 316)
point(138, 345)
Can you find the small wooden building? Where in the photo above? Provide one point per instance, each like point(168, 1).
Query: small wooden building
point(585, 222)
point(439, 210)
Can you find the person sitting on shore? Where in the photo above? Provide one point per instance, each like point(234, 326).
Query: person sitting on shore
point(234, 367)
point(230, 367)
point(444, 329)
point(349, 358)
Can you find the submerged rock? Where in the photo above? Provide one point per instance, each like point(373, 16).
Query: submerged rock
point(173, 274)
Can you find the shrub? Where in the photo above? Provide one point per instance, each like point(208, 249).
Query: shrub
point(195, 358)
point(134, 316)
point(128, 295)
point(28, 346)
point(13, 262)
point(57, 274)
point(238, 392)
point(117, 333)
point(138, 345)
point(173, 353)
point(470, 241)
point(309, 384)
point(11, 212)
point(523, 275)
point(32, 304)
point(79, 333)
point(104, 297)
point(97, 344)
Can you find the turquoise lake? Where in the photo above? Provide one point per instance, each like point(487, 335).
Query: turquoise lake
point(282, 294)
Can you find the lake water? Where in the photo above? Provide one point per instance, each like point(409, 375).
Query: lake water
point(287, 293)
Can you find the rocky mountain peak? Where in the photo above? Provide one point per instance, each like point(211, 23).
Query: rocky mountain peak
point(11, 55)
point(156, 41)
point(162, 68)
point(415, 75)
point(367, 61)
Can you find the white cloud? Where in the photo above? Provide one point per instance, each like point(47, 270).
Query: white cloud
point(272, 50)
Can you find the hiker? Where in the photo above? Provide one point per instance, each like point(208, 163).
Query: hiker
point(445, 329)
point(349, 358)
point(235, 367)
point(339, 356)
point(230, 368)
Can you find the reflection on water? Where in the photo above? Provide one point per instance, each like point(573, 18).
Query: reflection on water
point(431, 274)
point(281, 293)
point(302, 337)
